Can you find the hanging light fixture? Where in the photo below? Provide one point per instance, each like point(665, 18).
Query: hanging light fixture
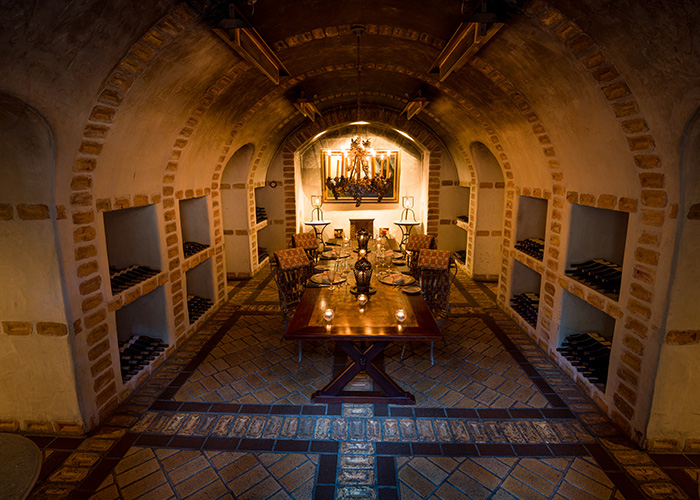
point(360, 156)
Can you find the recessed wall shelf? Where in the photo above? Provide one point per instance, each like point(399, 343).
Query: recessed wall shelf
point(531, 226)
point(597, 234)
point(194, 223)
point(145, 317)
point(133, 247)
point(200, 290)
point(525, 292)
point(589, 355)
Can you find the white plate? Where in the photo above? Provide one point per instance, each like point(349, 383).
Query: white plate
point(318, 279)
point(387, 280)
point(411, 290)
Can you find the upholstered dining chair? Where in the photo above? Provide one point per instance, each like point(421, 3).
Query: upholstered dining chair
point(309, 243)
point(416, 243)
point(434, 272)
point(291, 270)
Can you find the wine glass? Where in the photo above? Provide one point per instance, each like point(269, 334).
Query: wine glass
point(331, 277)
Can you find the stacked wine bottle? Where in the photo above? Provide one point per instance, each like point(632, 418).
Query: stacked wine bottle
point(137, 352)
point(599, 274)
point(589, 353)
point(463, 218)
point(532, 246)
point(189, 248)
point(260, 215)
point(196, 306)
point(121, 279)
point(526, 305)
point(262, 254)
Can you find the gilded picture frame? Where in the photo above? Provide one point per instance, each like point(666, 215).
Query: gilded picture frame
point(386, 162)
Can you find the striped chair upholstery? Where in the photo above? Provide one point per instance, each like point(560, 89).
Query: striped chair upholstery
point(308, 242)
point(291, 270)
point(414, 245)
point(435, 281)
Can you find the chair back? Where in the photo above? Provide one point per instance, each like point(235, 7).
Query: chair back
point(291, 271)
point(414, 245)
point(308, 242)
point(434, 273)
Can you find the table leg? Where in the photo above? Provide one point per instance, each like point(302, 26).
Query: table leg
point(362, 361)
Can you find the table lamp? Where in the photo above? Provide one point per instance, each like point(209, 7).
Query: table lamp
point(363, 275)
point(362, 239)
point(317, 203)
point(407, 204)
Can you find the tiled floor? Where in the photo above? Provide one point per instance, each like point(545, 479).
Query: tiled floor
point(229, 416)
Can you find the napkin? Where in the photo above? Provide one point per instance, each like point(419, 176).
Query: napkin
point(397, 279)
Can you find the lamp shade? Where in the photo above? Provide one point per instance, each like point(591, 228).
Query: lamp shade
point(316, 201)
point(363, 274)
point(407, 201)
point(362, 239)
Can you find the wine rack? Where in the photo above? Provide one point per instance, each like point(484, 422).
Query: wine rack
point(137, 353)
point(197, 306)
point(461, 256)
point(260, 215)
point(191, 248)
point(599, 274)
point(121, 279)
point(589, 353)
point(527, 306)
point(533, 247)
point(262, 254)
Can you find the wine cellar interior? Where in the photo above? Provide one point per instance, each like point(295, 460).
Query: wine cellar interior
point(148, 167)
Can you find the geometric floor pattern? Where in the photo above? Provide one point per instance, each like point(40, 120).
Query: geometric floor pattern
point(228, 416)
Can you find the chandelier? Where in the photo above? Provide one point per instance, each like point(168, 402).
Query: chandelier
point(361, 181)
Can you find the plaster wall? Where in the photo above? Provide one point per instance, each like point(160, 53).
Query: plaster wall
point(149, 120)
point(411, 181)
point(679, 365)
point(35, 364)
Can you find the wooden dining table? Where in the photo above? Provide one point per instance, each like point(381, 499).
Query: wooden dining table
point(363, 333)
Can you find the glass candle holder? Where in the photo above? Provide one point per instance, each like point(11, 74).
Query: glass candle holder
point(400, 315)
point(328, 314)
point(362, 299)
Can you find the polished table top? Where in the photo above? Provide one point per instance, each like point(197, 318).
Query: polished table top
point(375, 321)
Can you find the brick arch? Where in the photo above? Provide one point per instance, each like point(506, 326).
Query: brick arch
point(370, 30)
point(91, 328)
point(424, 137)
point(653, 199)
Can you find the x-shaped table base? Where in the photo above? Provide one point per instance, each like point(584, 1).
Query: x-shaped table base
point(362, 361)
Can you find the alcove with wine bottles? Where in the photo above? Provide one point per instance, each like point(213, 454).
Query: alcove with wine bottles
point(133, 246)
point(585, 338)
point(201, 292)
point(596, 249)
point(525, 293)
point(261, 222)
point(194, 224)
point(142, 333)
point(531, 226)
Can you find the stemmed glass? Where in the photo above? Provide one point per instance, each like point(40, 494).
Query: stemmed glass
point(331, 277)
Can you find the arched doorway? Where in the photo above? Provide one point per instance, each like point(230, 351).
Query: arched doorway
point(235, 203)
point(489, 198)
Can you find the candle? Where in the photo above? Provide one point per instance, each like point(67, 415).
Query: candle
point(400, 315)
point(328, 314)
point(362, 299)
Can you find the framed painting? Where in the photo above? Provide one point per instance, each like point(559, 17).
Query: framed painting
point(336, 164)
